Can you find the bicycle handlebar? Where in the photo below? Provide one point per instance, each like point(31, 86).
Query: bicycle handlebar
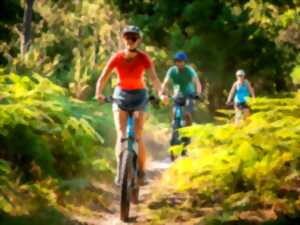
point(229, 104)
point(110, 99)
point(194, 97)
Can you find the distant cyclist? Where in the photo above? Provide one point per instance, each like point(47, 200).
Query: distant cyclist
point(130, 64)
point(185, 83)
point(241, 90)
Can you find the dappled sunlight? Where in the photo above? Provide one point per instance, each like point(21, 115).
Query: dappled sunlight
point(59, 61)
point(251, 161)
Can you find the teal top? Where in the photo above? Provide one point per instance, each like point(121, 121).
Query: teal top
point(182, 80)
point(242, 92)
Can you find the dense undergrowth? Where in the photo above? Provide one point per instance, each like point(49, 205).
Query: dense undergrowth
point(50, 144)
point(248, 172)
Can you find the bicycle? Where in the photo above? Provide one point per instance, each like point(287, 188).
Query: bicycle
point(179, 122)
point(129, 167)
point(239, 113)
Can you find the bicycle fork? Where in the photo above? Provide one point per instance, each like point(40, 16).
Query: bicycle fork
point(132, 147)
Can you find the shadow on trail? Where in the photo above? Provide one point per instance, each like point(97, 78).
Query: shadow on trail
point(280, 221)
point(132, 220)
point(157, 144)
point(46, 216)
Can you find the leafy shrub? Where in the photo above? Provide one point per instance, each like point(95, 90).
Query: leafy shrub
point(296, 75)
point(44, 132)
point(255, 165)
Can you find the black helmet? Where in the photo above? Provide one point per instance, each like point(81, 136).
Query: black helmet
point(132, 30)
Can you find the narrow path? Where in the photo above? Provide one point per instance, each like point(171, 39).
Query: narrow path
point(158, 161)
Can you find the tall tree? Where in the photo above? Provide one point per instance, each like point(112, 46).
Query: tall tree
point(25, 43)
point(11, 13)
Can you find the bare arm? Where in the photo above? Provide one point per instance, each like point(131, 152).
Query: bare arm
point(154, 79)
point(231, 93)
point(157, 85)
point(105, 75)
point(165, 83)
point(198, 85)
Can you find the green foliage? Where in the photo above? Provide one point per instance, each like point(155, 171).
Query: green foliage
point(71, 42)
point(221, 36)
point(5, 171)
point(52, 129)
point(4, 167)
point(255, 164)
point(50, 147)
point(296, 75)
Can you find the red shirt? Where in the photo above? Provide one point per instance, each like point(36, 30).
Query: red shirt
point(130, 72)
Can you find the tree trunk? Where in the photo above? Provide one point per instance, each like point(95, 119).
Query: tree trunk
point(27, 26)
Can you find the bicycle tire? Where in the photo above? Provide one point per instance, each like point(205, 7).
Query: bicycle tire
point(126, 185)
point(135, 182)
point(172, 156)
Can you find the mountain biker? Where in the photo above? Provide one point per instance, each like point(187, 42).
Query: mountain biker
point(185, 82)
point(241, 90)
point(130, 65)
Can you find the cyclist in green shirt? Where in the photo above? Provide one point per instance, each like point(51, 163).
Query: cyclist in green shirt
point(185, 83)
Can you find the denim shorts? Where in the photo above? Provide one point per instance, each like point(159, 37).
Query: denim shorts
point(130, 100)
point(242, 105)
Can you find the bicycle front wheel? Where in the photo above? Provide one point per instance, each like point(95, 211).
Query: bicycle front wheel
point(126, 184)
point(135, 181)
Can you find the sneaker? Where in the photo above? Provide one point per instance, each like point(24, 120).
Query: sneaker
point(143, 179)
point(117, 181)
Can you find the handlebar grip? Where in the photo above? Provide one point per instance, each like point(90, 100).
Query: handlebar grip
point(229, 104)
point(199, 97)
point(152, 98)
point(108, 99)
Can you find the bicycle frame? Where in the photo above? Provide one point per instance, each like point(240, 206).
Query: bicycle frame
point(178, 122)
point(128, 168)
point(130, 132)
point(178, 116)
point(132, 141)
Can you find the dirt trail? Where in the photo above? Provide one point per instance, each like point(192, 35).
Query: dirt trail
point(158, 161)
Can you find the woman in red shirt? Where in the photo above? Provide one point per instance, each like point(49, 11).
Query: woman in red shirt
point(130, 65)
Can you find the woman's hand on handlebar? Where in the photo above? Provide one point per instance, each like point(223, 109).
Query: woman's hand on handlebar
point(229, 104)
point(164, 98)
point(198, 97)
point(101, 98)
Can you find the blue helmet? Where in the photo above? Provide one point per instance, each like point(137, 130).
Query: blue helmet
point(181, 56)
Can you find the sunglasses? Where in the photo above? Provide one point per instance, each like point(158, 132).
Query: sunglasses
point(131, 38)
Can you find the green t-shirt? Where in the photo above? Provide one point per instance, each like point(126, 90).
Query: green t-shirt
point(182, 80)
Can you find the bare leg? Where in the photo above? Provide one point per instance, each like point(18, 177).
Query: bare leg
point(236, 116)
point(188, 118)
point(120, 118)
point(139, 125)
point(246, 112)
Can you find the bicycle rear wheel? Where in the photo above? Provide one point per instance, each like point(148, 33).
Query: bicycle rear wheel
point(126, 184)
point(238, 116)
